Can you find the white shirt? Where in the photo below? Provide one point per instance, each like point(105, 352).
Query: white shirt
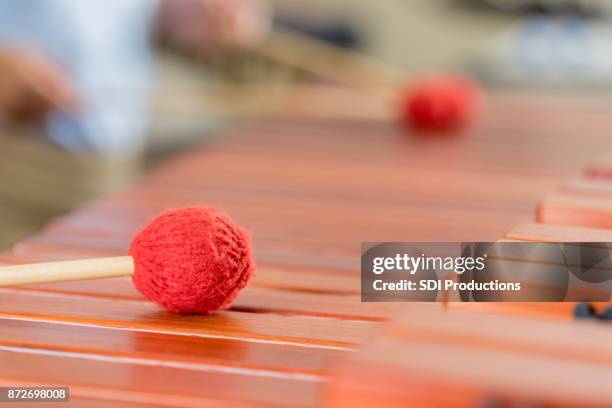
point(104, 47)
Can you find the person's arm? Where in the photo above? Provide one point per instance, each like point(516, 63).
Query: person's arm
point(200, 25)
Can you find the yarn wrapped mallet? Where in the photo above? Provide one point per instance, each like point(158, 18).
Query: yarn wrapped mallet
point(190, 260)
point(442, 105)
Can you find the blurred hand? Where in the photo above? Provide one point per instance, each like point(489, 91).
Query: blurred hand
point(199, 25)
point(31, 86)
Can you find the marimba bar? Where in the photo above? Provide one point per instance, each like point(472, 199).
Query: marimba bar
point(311, 190)
point(432, 358)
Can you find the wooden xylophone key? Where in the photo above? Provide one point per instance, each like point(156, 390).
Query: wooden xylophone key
point(576, 210)
point(530, 231)
point(600, 167)
point(585, 201)
point(68, 329)
point(544, 233)
point(340, 182)
point(428, 358)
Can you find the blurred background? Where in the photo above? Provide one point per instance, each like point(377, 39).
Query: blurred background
point(93, 94)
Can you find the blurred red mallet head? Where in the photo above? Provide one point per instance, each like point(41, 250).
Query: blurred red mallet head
point(441, 104)
point(189, 260)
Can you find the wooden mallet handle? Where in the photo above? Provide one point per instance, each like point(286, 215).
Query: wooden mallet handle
point(66, 270)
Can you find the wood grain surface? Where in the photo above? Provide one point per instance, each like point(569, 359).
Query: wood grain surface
point(429, 358)
point(310, 189)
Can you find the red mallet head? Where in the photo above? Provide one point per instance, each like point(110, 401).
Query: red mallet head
point(440, 104)
point(191, 260)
